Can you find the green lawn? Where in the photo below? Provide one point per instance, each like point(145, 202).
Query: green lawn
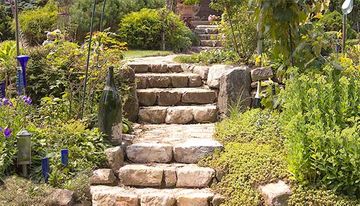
point(130, 54)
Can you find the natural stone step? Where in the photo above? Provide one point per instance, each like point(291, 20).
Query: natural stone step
point(189, 143)
point(166, 175)
point(206, 30)
point(175, 96)
point(178, 114)
point(203, 48)
point(167, 80)
point(142, 67)
point(106, 195)
point(208, 36)
point(206, 27)
point(210, 43)
point(197, 23)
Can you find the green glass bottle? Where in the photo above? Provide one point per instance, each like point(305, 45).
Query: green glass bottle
point(110, 116)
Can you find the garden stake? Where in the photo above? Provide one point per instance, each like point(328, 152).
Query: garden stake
point(2, 90)
point(23, 60)
point(102, 16)
point(64, 157)
point(346, 9)
point(88, 59)
point(45, 168)
point(17, 28)
point(257, 100)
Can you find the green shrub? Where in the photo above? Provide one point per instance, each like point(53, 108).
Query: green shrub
point(5, 24)
point(80, 13)
point(34, 23)
point(332, 21)
point(321, 117)
point(143, 30)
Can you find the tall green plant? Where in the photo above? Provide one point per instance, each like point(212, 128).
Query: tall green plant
point(321, 114)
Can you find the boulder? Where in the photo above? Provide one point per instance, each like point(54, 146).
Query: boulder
point(61, 197)
point(103, 177)
point(179, 115)
point(105, 195)
point(115, 158)
point(194, 176)
point(168, 98)
point(149, 153)
point(153, 115)
point(261, 73)
point(276, 194)
point(203, 71)
point(234, 90)
point(205, 114)
point(141, 175)
point(215, 73)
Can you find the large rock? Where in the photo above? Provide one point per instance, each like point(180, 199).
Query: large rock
point(194, 176)
point(234, 90)
point(141, 175)
point(179, 81)
point(149, 152)
point(139, 67)
point(205, 114)
point(115, 158)
point(179, 115)
point(261, 73)
point(199, 97)
point(104, 195)
point(193, 150)
point(168, 98)
point(103, 177)
point(215, 73)
point(157, 200)
point(195, 81)
point(276, 194)
point(153, 115)
point(61, 197)
point(159, 81)
point(203, 71)
point(146, 97)
point(194, 199)
point(158, 68)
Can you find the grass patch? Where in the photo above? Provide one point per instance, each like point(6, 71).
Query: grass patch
point(215, 56)
point(131, 54)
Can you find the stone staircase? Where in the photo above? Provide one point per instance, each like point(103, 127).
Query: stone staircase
point(208, 35)
point(175, 131)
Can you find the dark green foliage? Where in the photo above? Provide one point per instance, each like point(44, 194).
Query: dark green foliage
point(5, 24)
point(143, 30)
point(321, 114)
point(80, 12)
point(332, 21)
point(34, 23)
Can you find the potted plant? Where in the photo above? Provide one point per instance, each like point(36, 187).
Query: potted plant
point(188, 8)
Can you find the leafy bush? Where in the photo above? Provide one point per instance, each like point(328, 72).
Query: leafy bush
point(321, 114)
point(80, 12)
point(216, 56)
point(238, 27)
point(332, 21)
point(143, 30)
point(5, 24)
point(34, 23)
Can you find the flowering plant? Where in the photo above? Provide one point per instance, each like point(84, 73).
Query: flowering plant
point(13, 116)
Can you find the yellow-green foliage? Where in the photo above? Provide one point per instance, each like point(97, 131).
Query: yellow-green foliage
point(34, 23)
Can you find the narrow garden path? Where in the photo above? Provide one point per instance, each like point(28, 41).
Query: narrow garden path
point(175, 131)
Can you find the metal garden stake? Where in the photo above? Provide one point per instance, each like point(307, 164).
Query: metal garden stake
point(346, 8)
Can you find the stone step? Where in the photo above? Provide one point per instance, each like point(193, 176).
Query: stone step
point(141, 67)
point(167, 80)
point(172, 143)
point(166, 175)
point(199, 22)
point(208, 36)
point(124, 196)
point(203, 48)
point(210, 43)
point(206, 30)
point(206, 26)
point(175, 96)
point(178, 114)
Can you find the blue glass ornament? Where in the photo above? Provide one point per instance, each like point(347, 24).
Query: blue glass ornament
point(64, 157)
point(20, 81)
point(2, 90)
point(45, 168)
point(23, 60)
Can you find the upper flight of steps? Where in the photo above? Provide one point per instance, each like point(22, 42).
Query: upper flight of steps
point(159, 166)
point(208, 35)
